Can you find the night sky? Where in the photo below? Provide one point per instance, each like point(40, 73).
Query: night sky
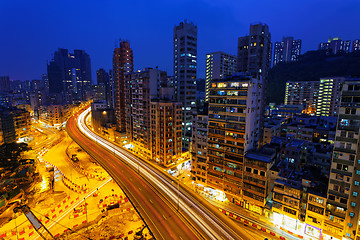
point(30, 31)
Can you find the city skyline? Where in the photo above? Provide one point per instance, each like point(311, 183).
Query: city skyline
point(215, 34)
point(165, 120)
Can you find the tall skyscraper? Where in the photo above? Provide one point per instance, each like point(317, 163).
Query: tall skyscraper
point(45, 79)
point(288, 50)
point(185, 63)
point(218, 66)
point(112, 89)
point(254, 50)
point(356, 45)
point(4, 84)
point(334, 45)
point(234, 128)
point(123, 63)
point(328, 101)
point(55, 76)
point(343, 205)
point(70, 74)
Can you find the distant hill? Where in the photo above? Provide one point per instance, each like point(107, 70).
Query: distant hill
point(311, 66)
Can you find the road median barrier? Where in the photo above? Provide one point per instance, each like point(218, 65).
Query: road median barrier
point(251, 224)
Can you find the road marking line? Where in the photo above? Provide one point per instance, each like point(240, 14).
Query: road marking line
point(164, 217)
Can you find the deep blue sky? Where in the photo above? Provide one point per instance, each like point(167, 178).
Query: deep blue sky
point(30, 31)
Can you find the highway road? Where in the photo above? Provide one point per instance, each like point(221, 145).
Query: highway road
point(154, 194)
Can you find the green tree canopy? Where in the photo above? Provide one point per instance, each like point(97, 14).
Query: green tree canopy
point(311, 66)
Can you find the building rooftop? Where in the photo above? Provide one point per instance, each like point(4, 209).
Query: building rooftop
point(297, 143)
point(238, 76)
point(263, 155)
point(278, 140)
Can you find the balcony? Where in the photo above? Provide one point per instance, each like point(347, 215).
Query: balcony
point(334, 203)
point(336, 193)
point(345, 150)
point(345, 139)
point(341, 172)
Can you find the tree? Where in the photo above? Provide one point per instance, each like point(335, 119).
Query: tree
point(10, 154)
point(311, 66)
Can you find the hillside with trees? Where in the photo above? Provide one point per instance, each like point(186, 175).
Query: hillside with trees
point(311, 66)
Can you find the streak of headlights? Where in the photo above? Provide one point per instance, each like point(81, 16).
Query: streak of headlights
point(165, 185)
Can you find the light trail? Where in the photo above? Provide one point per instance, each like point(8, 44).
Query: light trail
point(165, 185)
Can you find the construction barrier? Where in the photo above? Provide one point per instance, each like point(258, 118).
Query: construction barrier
point(254, 225)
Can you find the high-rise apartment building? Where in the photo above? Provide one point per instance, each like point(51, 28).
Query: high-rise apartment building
point(256, 190)
point(70, 74)
point(185, 63)
point(302, 93)
point(343, 205)
point(218, 66)
point(123, 63)
point(254, 56)
point(112, 89)
point(103, 81)
point(334, 45)
point(102, 76)
point(4, 84)
point(165, 131)
point(38, 99)
point(15, 124)
point(55, 77)
point(355, 45)
point(288, 50)
point(45, 79)
point(254, 50)
point(234, 128)
point(36, 84)
point(140, 88)
point(199, 144)
point(329, 94)
point(170, 81)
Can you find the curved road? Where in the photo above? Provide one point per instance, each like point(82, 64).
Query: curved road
point(163, 222)
point(154, 194)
